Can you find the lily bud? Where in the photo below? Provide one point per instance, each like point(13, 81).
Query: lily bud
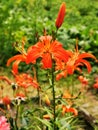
point(46, 116)
point(47, 101)
point(61, 15)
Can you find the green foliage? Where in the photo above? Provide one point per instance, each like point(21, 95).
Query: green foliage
point(19, 18)
point(29, 17)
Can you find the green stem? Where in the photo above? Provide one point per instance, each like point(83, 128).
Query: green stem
point(37, 78)
point(16, 119)
point(72, 85)
point(53, 92)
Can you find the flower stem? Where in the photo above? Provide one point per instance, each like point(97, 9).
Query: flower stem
point(36, 77)
point(16, 119)
point(53, 94)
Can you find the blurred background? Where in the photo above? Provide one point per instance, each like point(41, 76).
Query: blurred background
point(28, 18)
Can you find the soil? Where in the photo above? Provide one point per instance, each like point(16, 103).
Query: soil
point(88, 105)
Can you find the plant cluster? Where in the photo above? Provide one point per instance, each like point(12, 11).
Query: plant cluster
point(47, 55)
point(23, 18)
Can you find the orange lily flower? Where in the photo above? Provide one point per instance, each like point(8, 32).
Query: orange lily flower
point(61, 15)
point(76, 59)
point(47, 49)
point(19, 58)
point(66, 109)
point(25, 80)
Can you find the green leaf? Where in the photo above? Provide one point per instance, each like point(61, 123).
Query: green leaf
point(45, 122)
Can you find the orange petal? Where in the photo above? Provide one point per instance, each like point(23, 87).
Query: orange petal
point(87, 64)
point(60, 53)
point(47, 61)
point(33, 54)
point(17, 57)
point(15, 66)
point(70, 69)
point(60, 75)
point(74, 111)
point(86, 55)
point(34, 84)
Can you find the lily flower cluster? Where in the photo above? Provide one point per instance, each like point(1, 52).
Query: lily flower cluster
point(52, 51)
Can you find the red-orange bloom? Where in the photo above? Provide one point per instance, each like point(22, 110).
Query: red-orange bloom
point(61, 65)
point(47, 49)
point(22, 95)
point(6, 100)
point(96, 83)
point(61, 15)
point(19, 58)
point(25, 80)
point(66, 109)
point(83, 80)
point(76, 60)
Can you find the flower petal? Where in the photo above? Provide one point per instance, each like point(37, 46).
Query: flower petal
point(61, 54)
point(33, 54)
point(70, 68)
point(86, 63)
point(18, 59)
point(15, 66)
point(61, 74)
point(86, 55)
point(47, 61)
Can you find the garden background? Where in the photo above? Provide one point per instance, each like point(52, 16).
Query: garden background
point(27, 17)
